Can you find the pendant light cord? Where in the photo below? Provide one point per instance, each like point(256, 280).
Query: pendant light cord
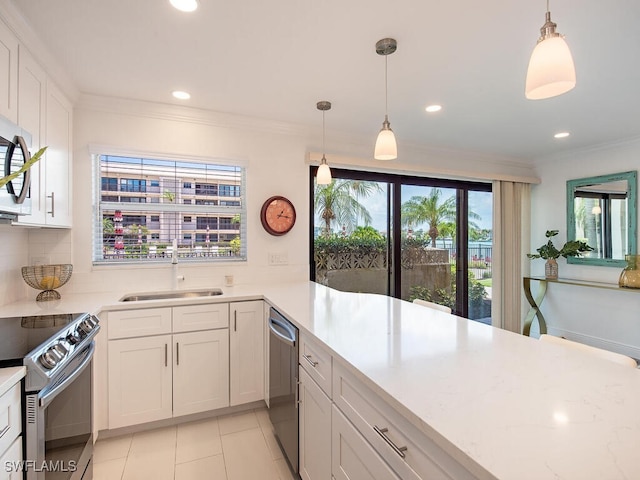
point(323, 134)
point(386, 88)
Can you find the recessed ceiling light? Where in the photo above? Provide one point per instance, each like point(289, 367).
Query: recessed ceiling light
point(433, 108)
point(181, 95)
point(561, 135)
point(185, 5)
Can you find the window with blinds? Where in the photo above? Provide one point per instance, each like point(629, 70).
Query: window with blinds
point(147, 208)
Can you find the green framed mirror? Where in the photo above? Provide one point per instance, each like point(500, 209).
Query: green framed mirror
point(602, 211)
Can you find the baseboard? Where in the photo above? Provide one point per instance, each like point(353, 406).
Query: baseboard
point(168, 422)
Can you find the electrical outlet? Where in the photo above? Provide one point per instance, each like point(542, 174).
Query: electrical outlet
point(278, 258)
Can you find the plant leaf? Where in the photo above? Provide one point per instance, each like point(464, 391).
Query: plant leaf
point(34, 158)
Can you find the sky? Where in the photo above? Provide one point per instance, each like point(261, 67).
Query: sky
point(479, 202)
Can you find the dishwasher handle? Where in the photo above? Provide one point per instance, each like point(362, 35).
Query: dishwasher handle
point(282, 331)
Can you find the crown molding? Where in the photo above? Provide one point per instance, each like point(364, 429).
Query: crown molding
point(183, 114)
point(600, 147)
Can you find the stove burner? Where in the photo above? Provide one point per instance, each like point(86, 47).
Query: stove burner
point(46, 321)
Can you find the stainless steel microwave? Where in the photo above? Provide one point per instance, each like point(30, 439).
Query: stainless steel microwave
point(15, 196)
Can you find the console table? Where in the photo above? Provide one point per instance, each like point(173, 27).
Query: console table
point(535, 302)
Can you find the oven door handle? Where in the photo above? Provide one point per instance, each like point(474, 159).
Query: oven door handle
point(47, 398)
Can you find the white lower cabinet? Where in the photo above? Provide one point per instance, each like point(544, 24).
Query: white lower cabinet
point(10, 461)
point(352, 458)
point(246, 352)
point(157, 369)
point(315, 430)
point(140, 380)
point(200, 371)
point(10, 433)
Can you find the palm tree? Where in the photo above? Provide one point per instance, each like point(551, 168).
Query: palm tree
point(429, 210)
point(339, 202)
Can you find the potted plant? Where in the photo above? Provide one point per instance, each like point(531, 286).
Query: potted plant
point(549, 252)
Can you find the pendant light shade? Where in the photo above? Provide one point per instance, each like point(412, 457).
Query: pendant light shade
point(551, 71)
point(386, 147)
point(323, 175)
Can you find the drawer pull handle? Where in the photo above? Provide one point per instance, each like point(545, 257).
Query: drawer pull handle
point(382, 432)
point(4, 430)
point(311, 362)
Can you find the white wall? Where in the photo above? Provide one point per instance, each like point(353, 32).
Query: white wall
point(276, 155)
point(599, 317)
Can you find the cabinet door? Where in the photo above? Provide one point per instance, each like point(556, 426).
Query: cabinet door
point(57, 159)
point(8, 73)
point(11, 460)
point(315, 430)
point(352, 457)
point(32, 82)
point(139, 380)
point(246, 356)
point(200, 371)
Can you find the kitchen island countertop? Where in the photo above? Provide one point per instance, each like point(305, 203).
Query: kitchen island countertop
point(503, 405)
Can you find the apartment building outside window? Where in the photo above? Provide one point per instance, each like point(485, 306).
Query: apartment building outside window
point(144, 204)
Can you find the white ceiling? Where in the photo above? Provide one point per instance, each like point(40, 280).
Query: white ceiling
point(276, 59)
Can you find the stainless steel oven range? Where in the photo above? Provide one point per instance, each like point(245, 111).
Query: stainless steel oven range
point(57, 351)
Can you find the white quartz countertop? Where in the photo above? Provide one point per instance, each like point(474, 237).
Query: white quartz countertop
point(504, 405)
point(9, 377)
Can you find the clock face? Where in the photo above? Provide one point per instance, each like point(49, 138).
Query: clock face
point(278, 215)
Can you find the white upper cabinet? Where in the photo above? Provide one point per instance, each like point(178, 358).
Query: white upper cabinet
point(44, 112)
point(57, 161)
point(32, 84)
point(8, 73)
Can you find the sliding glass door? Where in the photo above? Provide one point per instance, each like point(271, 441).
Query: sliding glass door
point(408, 237)
point(351, 235)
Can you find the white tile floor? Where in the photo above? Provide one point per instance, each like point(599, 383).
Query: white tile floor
point(232, 447)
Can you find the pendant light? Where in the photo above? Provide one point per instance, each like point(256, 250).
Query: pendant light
point(323, 175)
point(386, 146)
point(551, 71)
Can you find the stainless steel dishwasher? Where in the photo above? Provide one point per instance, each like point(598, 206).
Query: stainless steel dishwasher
point(283, 384)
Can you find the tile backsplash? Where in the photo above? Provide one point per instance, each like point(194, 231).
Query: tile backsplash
point(14, 254)
point(50, 246)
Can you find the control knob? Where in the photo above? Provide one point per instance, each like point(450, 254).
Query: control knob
point(85, 326)
point(73, 338)
point(50, 358)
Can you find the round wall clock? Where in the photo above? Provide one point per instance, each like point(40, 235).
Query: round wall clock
point(278, 215)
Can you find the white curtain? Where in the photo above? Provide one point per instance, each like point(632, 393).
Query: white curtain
point(511, 239)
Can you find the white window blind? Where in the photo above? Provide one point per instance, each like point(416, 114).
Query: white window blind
point(146, 208)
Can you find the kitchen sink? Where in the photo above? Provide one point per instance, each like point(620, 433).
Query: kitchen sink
point(168, 295)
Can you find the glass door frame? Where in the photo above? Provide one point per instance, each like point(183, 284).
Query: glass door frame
point(394, 202)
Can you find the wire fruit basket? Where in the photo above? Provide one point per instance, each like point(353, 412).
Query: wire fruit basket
point(47, 278)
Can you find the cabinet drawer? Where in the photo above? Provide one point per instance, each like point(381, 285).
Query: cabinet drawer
point(10, 417)
point(139, 323)
point(191, 318)
point(406, 449)
point(352, 458)
point(317, 363)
